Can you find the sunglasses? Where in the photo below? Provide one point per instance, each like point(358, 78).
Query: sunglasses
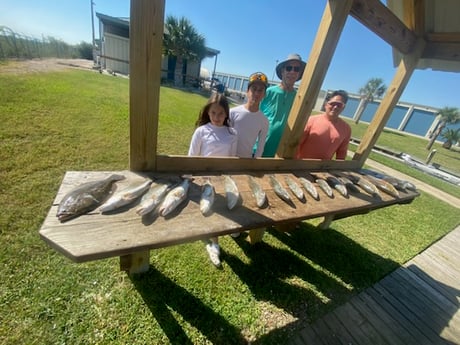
point(258, 77)
point(336, 104)
point(290, 68)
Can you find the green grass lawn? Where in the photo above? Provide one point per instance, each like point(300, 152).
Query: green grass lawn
point(78, 120)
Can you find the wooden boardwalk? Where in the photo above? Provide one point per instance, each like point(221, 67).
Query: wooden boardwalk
point(416, 304)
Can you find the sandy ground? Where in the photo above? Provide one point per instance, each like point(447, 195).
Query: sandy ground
point(43, 65)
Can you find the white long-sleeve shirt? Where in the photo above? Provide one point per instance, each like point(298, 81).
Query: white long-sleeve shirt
point(251, 127)
point(210, 140)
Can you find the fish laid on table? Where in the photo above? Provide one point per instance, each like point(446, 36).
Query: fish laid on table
point(207, 197)
point(231, 192)
point(154, 196)
point(383, 185)
point(86, 197)
point(400, 184)
point(309, 187)
point(348, 184)
point(294, 187)
point(257, 191)
point(279, 189)
point(125, 196)
point(335, 183)
point(174, 198)
point(325, 187)
point(366, 185)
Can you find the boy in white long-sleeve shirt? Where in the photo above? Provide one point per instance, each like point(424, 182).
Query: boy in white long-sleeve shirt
point(249, 122)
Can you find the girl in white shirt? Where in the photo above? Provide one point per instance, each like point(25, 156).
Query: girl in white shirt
point(214, 137)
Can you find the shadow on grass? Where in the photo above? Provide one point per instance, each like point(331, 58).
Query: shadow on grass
point(162, 295)
point(322, 270)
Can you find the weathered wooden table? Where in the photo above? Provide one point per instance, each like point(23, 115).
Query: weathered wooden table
point(125, 234)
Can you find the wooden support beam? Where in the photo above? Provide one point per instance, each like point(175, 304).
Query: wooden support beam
point(379, 19)
point(331, 26)
point(145, 49)
point(184, 164)
point(403, 73)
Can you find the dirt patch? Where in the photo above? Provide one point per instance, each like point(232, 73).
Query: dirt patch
point(43, 65)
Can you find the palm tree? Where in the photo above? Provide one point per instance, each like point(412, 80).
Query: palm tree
point(452, 136)
point(447, 115)
point(373, 88)
point(181, 43)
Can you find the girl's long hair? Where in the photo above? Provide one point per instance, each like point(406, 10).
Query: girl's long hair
point(216, 98)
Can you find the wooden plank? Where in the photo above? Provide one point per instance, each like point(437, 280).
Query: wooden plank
point(436, 314)
point(185, 164)
point(385, 288)
point(403, 73)
point(387, 303)
point(145, 48)
point(332, 23)
point(338, 330)
point(322, 330)
point(429, 290)
point(359, 327)
point(308, 336)
point(95, 236)
point(427, 312)
point(379, 19)
point(388, 322)
point(436, 269)
point(445, 290)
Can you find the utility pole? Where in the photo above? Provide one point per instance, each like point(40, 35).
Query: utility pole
point(92, 26)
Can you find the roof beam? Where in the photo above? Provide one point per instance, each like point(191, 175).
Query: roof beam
point(379, 19)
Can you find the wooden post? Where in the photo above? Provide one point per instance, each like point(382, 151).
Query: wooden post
point(145, 50)
point(334, 18)
point(403, 73)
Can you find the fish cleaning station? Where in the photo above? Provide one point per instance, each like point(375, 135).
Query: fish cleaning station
point(126, 234)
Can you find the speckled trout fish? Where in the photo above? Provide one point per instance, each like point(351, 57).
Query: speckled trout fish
point(383, 185)
point(294, 187)
point(279, 189)
point(325, 187)
point(309, 187)
point(153, 198)
point(86, 197)
point(335, 183)
point(174, 198)
point(125, 196)
point(231, 192)
point(257, 191)
point(207, 197)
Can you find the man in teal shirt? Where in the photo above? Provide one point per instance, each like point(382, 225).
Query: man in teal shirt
point(278, 100)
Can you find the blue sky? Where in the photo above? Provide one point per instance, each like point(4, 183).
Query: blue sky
point(251, 36)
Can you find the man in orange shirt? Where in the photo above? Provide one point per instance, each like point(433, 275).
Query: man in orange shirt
point(326, 135)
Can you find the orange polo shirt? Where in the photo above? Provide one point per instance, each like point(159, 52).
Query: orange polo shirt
point(322, 139)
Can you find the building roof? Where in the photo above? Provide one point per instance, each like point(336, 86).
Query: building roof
point(123, 23)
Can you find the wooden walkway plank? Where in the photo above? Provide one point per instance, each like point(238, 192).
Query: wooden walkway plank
point(435, 269)
point(443, 289)
point(360, 329)
point(431, 291)
point(388, 322)
point(339, 331)
point(427, 312)
point(414, 315)
point(328, 337)
point(441, 307)
point(417, 336)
